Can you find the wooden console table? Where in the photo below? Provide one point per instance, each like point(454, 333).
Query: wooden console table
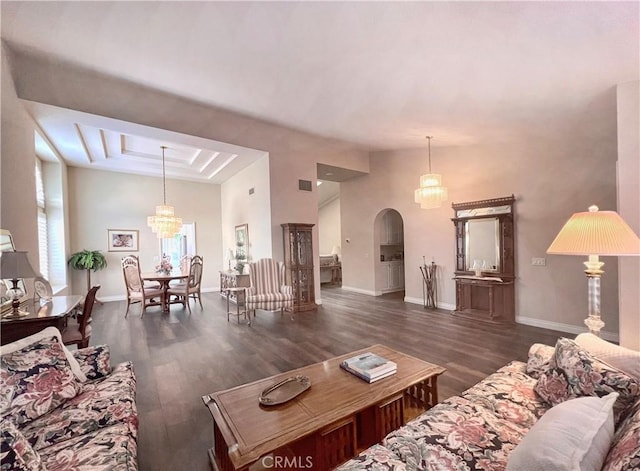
point(331, 422)
point(488, 298)
point(232, 279)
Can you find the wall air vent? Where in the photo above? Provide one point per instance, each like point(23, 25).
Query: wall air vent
point(305, 185)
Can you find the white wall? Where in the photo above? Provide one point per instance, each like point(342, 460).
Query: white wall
point(551, 178)
point(329, 226)
point(106, 200)
point(628, 95)
point(240, 207)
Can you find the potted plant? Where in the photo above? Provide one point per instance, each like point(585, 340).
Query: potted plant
point(88, 260)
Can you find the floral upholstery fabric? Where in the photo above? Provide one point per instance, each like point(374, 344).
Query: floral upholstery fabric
point(377, 457)
point(92, 428)
point(573, 373)
point(94, 361)
point(624, 454)
point(101, 404)
point(38, 378)
point(474, 431)
point(106, 449)
point(15, 451)
point(539, 357)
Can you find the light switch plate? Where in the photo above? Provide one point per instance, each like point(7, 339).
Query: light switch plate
point(539, 261)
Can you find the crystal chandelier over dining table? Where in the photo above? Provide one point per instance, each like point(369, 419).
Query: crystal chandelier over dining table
point(164, 223)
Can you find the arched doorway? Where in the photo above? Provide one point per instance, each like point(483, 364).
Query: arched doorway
point(388, 229)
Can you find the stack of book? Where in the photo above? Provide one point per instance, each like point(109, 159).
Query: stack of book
point(369, 367)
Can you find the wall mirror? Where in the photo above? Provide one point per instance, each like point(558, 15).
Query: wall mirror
point(484, 236)
point(482, 249)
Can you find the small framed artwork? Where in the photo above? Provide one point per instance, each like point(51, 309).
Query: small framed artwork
point(122, 240)
point(242, 242)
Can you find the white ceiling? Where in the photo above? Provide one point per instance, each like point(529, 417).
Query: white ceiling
point(379, 74)
point(86, 140)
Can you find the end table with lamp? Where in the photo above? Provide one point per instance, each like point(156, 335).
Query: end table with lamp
point(15, 266)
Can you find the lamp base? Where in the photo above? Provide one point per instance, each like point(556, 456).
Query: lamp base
point(595, 324)
point(15, 314)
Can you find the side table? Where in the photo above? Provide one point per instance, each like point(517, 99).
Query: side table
point(239, 294)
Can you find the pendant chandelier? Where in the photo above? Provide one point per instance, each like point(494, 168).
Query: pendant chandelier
point(431, 193)
point(164, 223)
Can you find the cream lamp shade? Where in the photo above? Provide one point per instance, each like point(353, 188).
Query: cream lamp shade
point(594, 233)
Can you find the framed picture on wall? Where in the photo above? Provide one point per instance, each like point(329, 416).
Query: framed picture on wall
point(122, 240)
point(242, 243)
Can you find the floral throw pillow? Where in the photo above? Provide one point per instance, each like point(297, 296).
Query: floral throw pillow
point(574, 373)
point(17, 454)
point(94, 361)
point(538, 360)
point(39, 378)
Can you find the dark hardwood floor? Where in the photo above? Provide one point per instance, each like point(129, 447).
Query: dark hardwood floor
point(179, 357)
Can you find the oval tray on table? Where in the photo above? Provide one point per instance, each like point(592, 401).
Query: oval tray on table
point(284, 391)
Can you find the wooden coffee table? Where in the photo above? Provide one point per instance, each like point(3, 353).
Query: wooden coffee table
point(331, 422)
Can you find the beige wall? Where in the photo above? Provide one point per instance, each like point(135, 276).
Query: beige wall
point(329, 226)
point(629, 208)
point(551, 179)
point(239, 207)
point(18, 212)
point(106, 200)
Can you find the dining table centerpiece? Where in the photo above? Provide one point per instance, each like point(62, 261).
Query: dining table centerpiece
point(164, 267)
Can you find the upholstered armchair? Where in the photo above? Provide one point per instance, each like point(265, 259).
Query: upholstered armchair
point(268, 291)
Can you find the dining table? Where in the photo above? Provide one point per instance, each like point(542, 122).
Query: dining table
point(41, 314)
point(164, 279)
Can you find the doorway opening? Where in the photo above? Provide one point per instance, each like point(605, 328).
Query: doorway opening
point(389, 252)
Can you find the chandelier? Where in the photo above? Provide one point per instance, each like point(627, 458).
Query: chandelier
point(164, 223)
point(431, 193)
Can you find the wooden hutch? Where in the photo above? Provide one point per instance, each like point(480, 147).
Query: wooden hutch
point(485, 259)
point(298, 261)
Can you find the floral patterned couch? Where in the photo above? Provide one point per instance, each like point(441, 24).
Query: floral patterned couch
point(481, 428)
point(65, 410)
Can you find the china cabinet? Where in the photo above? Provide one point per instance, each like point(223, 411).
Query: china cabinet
point(298, 261)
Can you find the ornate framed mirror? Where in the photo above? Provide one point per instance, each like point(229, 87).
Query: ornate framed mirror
point(485, 258)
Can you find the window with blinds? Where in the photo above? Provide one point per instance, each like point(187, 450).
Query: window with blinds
point(43, 239)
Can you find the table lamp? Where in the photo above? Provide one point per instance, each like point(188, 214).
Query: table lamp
point(595, 233)
point(14, 266)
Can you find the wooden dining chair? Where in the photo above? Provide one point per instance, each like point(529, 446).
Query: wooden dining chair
point(190, 289)
point(136, 291)
point(79, 333)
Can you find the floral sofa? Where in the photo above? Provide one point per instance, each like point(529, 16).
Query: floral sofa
point(65, 410)
point(500, 424)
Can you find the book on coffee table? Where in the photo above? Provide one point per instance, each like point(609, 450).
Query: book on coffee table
point(369, 366)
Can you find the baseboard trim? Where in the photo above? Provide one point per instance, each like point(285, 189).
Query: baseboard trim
point(561, 327)
point(420, 301)
point(122, 297)
point(361, 291)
